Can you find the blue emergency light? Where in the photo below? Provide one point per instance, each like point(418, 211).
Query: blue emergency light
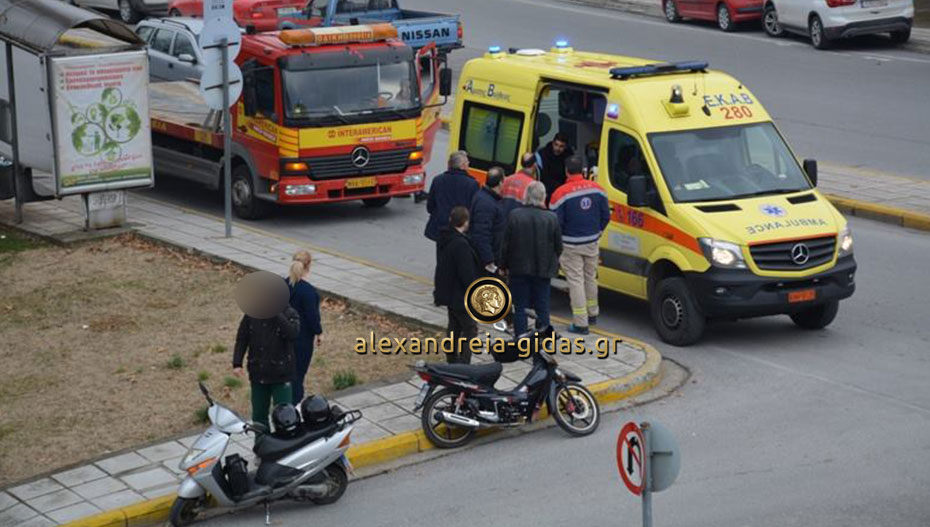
point(494, 49)
point(561, 44)
point(658, 69)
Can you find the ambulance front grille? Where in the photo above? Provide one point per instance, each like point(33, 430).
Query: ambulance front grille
point(389, 162)
point(779, 256)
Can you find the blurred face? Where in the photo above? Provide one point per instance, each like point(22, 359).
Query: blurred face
point(558, 147)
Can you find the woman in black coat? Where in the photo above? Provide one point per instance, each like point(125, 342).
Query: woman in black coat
point(306, 300)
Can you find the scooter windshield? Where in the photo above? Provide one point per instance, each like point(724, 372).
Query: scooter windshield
point(226, 420)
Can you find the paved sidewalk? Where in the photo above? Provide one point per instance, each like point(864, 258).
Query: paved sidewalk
point(151, 472)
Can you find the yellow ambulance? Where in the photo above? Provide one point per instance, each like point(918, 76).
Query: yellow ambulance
point(713, 217)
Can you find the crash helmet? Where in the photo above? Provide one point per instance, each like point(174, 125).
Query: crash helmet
point(315, 411)
point(285, 419)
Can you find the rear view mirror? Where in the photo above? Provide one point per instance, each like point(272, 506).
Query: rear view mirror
point(810, 166)
point(636, 193)
point(445, 82)
point(187, 57)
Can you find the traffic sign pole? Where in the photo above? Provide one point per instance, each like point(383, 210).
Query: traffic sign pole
point(647, 474)
point(227, 140)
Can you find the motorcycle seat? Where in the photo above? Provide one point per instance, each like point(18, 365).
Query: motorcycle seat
point(483, 374)
point(270, 448)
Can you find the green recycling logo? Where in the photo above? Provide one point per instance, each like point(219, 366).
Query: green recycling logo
point(101, 127)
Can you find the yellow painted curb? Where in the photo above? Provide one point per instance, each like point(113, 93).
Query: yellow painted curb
point(114, 518)
point(381, 450)
point(884, 213)
point(149, 512)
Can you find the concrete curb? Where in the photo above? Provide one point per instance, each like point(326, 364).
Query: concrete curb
point(883, 213)
point(155, 511)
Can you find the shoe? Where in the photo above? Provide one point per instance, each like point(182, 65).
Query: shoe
point(578, 330)
point(420, 197)
point(592, 321)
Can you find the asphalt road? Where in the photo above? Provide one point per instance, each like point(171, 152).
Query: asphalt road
point(777, 427)
point(864, 104)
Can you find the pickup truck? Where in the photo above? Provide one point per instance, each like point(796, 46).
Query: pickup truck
point(415, 28)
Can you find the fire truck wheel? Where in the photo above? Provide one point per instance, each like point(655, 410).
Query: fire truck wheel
point(376, 202)
point(244, 202)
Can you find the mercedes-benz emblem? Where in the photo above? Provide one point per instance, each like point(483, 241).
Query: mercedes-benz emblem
point(360, 156)
point(800, 254)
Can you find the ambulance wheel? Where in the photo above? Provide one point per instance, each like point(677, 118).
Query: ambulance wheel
point(675, 313)
point(818, 37)
point(770, 22)
point(724, 21)
point(817, 317)
point(671, 11)
point(127, 13)
point(373, 203)
point(245, 204)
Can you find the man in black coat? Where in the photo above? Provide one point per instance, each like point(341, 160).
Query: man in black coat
point(530, 255)
point(458, 266)
point(488, 220)
point(269, 344)
point(450, 189)
point(550, 162)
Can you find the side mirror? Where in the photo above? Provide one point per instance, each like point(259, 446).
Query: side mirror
point(187, 57)
point(445, 82)
point(810, 166)
point(636, 193)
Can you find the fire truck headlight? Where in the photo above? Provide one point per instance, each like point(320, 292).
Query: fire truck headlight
point(299, 190)
point(415, 179)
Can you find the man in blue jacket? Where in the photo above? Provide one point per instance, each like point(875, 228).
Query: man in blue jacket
point(453, 188)
point(584, 213)
point(488, 220)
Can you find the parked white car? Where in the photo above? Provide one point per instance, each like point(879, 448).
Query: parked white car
point(174, 47)
point(826, 21)
point(130, 11)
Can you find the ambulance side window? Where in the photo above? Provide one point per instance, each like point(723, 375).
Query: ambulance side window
point(491, 136)
point(625, 158)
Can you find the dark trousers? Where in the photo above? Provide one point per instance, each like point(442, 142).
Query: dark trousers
point(303, 352)
point(529, 291)
point(461, 326)
point(262, 394)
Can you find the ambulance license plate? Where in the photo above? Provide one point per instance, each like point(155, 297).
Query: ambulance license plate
point(361, 182)
point(804, 295)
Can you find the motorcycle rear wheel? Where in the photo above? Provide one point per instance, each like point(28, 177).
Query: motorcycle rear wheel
point(582, 416)
point(438, 432)
point(185, 511)
point(338, 480)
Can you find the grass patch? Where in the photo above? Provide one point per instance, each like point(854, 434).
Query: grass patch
point(344, 379)
point(176, 362)
point(201, 416)
point(232, 382)
point(203, 375)
point(218, 348)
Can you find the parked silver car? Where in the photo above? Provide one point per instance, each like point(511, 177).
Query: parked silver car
point(174, 51)
point(130, 11)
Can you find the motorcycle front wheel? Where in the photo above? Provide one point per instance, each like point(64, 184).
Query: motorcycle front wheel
point(439, 433)
point(185, 511)
point(576, 409)
point(337, 480)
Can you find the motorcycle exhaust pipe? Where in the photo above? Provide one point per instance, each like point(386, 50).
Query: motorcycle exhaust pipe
point(460, 420)
point(311, 491)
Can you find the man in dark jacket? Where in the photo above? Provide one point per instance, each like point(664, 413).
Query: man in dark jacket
point(530, 255)
point(450, 189)
point(269, 344)
point(487, 220)
point(458, 266)
point(550, 163)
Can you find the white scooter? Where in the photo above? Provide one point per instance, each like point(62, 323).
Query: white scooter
point(309, 466)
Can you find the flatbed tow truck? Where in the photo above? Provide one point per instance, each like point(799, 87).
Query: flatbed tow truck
point(326, 115)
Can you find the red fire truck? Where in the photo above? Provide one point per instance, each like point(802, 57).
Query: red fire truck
point(326, 115)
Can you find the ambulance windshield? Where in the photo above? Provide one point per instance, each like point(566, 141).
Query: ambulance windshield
point(714, 164)
point(351, 90)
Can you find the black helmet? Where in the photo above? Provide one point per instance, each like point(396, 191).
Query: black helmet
point(285, 419)
point(315, 411)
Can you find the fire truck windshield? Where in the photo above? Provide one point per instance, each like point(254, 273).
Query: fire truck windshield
point(346, 91)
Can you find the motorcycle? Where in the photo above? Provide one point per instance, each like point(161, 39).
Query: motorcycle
point(311, 465)
point(467, 401)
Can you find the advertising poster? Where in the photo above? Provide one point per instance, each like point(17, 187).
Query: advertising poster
point(102, 132)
